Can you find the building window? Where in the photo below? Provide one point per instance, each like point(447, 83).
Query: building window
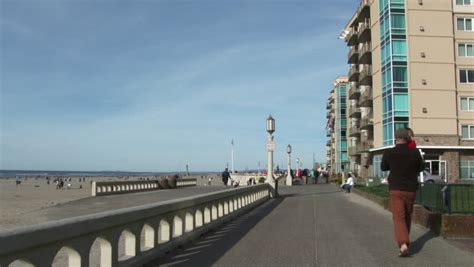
point(464, 24)
point(377, 172)
point(466, 50)
point(467, 169)
point(463, 2)
point(466, 76)
point(467, 131)
point(467, 103)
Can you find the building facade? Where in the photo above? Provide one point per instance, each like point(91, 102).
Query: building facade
point(412, 65)
point(337, 127)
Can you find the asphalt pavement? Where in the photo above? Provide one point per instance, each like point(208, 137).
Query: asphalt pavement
point(315, 225)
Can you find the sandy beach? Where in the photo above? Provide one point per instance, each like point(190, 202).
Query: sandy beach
point(35, 194)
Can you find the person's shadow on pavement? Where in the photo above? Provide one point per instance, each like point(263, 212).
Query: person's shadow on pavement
point(418, 244)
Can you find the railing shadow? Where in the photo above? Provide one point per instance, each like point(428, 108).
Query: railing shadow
point(417, 245)
point(207, 250)
point(319, 193)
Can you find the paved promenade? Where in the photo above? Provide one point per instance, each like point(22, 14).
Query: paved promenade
point(315, 225)
point(92, 205)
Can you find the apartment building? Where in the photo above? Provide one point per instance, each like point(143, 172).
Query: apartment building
point(337, 146)
point(412, 65)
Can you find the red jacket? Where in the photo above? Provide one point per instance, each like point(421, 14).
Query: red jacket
point(412, 144)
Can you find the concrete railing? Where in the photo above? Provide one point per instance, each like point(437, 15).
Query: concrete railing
point(126, 237)
point(121, 187)
point(243, 179)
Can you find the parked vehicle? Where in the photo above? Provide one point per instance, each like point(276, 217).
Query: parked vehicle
point(432, 178)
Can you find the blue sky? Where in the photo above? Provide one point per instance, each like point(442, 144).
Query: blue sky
point(155, 85)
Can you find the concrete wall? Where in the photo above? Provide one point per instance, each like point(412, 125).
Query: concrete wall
point(125, 237)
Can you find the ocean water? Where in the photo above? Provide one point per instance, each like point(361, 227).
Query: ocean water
point(23, 173)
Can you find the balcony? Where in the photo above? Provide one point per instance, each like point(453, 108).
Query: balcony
point(366, 97)
point(364, 146)
point(328, 114)
point(328, 133)
point(365, 53)
point(365, 159)
point(365, 77)
point(364, 31)
point(352, 37)
point(354, 130)
point(354, 91)
point(352, 150)
point(328, 143)
point(353, 74)
point(353, 55)
point(367, 122)
point(363, 10)
point(354, 111)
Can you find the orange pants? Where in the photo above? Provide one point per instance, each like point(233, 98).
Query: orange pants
point(402, 208)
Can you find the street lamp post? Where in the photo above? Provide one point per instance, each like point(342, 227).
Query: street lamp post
point(270, 148)
point(289, 179)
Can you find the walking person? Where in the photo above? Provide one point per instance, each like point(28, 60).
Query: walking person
point(404, 165)
point(225, 177)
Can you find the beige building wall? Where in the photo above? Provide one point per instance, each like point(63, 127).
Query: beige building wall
point(440, 5)
point(376, 75)
point(433, 101)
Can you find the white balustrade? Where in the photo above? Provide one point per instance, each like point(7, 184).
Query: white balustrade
point(121, 187)
point(125, 237)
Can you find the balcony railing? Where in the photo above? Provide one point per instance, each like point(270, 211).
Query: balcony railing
point(352, 37)
point(354, 111)
point(367, 121)
point(363, 10)
point(364, 146)
point(352, 151)
point(365, 159)
point(365, 77)
point(365, 53)
point(354, 91)
point(366, 97)
point(353, 55)
point(354, 130)
point(353, 74)
point(364, 31)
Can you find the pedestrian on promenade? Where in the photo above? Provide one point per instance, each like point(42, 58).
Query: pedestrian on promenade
point(404, 165)
point(349, 183)
point(225, 176)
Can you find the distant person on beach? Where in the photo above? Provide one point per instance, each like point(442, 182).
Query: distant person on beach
point(18, 181)
point(225, 177)
point(404, 165)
